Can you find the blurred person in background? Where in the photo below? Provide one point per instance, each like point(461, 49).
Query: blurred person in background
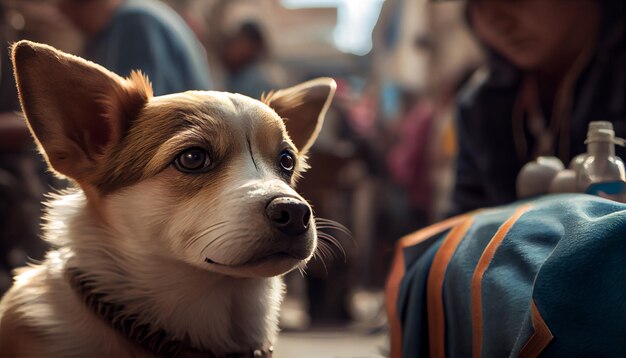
point(553, 66)
point(120, 35)
point(22, 178)
point(124, 35)
point(246, 60)
point(421, 157)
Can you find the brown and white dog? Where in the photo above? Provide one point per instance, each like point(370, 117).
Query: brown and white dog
point(184, 217)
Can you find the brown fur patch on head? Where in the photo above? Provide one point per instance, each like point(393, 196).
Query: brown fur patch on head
point(164, 128)
point(228, 126)
point(270, 138)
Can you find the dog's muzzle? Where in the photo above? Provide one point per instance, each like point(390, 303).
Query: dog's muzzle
point(289, 215)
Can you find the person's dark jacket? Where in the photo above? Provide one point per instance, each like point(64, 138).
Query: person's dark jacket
point(488, 164)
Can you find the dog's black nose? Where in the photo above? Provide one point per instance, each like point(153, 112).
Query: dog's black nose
point(290, 216)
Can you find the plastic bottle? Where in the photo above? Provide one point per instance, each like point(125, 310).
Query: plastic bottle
point(602, 171)
point(564, 182)
point(576, 163)
point(536, 177)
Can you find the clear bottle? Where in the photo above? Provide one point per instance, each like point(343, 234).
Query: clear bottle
point(578, 160)
point(601, 171)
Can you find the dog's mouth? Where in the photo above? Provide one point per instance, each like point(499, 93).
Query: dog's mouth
point(281, 257)
point(277, 256)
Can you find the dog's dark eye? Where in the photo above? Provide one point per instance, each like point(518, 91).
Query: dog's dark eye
point(287, 161)
point(193, 160)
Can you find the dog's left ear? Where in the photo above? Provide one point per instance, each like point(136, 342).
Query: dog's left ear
point(76, 109)
point(303, 108)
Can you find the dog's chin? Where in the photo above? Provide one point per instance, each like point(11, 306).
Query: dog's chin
point(268, 266)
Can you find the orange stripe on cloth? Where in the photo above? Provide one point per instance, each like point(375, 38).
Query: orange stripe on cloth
point(397, 272)
point(433, 230)
point(477, 279)
point(434, 291)
point(540, 338)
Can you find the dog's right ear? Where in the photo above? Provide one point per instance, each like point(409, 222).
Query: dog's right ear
point(76, 110)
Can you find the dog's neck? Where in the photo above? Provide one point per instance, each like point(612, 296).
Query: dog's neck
point(210, 311)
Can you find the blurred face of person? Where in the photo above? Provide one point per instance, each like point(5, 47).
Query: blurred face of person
point(536, 35)
point(89, 16)
point(240, 52)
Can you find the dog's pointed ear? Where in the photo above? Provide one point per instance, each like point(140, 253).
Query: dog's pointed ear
point(303, 108)
point(75, 109)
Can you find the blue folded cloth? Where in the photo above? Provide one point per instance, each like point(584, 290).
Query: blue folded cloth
point(544, 277)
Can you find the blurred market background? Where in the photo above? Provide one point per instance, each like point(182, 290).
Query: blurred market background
point(398, 64)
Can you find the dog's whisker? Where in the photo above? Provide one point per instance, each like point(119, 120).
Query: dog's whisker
point(322, 252)
point(320, 256)
point(217, 238)
point(323, 246)
point(329, 254)
point(323, 229)
point(332, 222)
point(328, 227)
point(210, 229)
point(301, 270)
point(212, 241)
point(327, 249)
point(333, 253)
point(331, 239)
point(322, 223)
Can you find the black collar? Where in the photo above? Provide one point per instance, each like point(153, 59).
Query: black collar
point(131, 325)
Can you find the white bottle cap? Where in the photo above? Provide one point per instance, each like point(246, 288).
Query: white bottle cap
point(600, 131)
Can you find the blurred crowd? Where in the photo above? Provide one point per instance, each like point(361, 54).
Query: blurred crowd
point(453, 98)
